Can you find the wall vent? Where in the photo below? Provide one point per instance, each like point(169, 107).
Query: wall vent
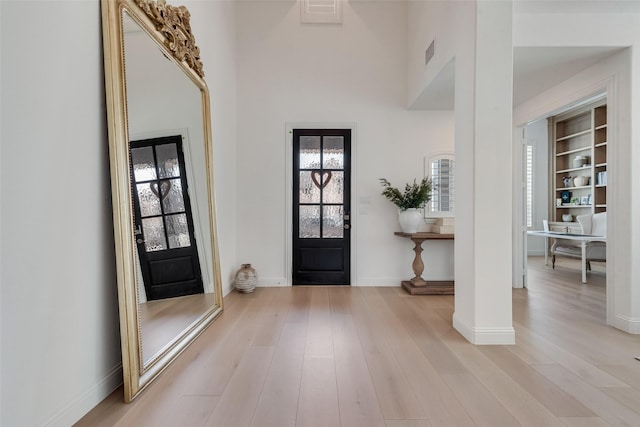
point(428, 54)
point(321, 11)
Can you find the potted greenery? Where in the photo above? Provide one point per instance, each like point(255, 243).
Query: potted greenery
point(414, 197)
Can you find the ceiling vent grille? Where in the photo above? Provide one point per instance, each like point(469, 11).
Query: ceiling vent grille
point(321, 11)
point(428, 54)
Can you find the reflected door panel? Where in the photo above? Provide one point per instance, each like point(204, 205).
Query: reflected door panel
point(164, 226)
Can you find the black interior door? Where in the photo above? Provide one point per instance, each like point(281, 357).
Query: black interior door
point(321, 206)
point(163, 221)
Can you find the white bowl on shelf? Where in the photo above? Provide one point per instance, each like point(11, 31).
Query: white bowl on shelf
point(581, 181)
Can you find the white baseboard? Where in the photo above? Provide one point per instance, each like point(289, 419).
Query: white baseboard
point(485, 336)
point(87, 401)
point(377, 281)
point(271, 282)
point(627, 324)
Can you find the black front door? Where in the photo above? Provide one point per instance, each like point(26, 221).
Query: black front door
point(163, 222)
point(321, 206)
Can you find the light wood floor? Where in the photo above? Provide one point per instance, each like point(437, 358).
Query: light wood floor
point(367, 357)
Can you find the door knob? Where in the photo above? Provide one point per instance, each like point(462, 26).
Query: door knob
point(347, 226)
point(139, 241)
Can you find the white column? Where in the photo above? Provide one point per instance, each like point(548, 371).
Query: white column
point(484, 75)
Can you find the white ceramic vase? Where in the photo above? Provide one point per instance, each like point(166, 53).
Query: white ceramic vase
point(410, 220)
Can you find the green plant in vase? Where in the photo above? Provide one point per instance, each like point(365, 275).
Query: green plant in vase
point(414, 197)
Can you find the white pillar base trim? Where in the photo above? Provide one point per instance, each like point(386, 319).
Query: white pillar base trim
point(627, 324)
point(485, 336)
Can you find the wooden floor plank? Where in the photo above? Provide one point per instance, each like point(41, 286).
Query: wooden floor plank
point(341, 356)
point(221, 365)
point(396, 396)
point(607, 408)
point(319, 337)
point(278, 402)
point(239, 400)
point(483, 408)
point(318, 404)
point(273, 317)
point(544, 391)
point(630, 397)
point(517, 400)
point(357, 398)
point(584, 422)
point(441, 406)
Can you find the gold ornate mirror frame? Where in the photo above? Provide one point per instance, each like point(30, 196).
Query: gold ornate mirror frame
point(169, 28)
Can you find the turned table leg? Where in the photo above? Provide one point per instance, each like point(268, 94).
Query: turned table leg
point(417, 285)
point(418, 265)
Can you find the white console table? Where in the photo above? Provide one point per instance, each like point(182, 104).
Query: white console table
point(582, 238)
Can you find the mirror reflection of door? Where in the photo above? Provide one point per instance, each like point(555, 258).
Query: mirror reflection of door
point(321, 206)
point(163, 220)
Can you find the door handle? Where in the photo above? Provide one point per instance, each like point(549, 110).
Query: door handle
point(347, 226)
point(140, 241)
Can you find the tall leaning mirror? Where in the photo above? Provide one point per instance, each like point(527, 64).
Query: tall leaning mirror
point(169, 286)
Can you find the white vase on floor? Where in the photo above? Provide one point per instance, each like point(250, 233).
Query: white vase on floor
point(410, 220)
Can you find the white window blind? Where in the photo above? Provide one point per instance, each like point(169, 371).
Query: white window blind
point(529, 184)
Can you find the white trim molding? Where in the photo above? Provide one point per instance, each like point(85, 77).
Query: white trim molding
point(273, 282)
point(288, 217)
point(627, 324)
point(88, 400)
point(485, 336)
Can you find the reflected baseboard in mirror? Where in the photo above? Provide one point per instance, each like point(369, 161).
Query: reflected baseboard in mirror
point(159, 97)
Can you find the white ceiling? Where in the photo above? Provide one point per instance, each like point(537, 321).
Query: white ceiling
point(535, 69)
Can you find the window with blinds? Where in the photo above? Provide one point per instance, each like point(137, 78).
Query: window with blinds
point(529, 183)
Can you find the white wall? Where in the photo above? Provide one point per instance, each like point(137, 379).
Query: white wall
point(537, 135)
point(60, 331)
point(352, 73)
point(615, 75)
point(60, 338)
point(428, 21)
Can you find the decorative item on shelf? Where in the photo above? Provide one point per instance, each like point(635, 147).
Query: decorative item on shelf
point(584, 200)
point(566, 196)
point(415, 196)
point(581, 181)
point(567, 181)
point(558, 202)
point(567, 217)
point(246, 279)
point(579, 161)
point(444, 226)
point(575, 201)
